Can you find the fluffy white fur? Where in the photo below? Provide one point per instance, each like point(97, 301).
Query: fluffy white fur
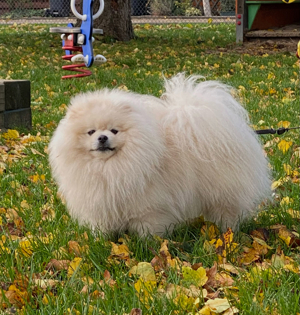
point(187, 154)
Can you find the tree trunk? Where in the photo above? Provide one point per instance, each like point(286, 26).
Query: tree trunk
point(115, 19)
point(206, 7)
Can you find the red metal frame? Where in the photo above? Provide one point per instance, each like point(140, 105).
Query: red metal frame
point(69, 46)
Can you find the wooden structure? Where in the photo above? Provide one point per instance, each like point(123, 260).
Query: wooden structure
point(267, 19)
point(15, 108)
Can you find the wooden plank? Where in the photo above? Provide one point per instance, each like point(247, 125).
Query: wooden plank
point(16, 118)
point(15, 108)
point(2, 98)
point(16, 93)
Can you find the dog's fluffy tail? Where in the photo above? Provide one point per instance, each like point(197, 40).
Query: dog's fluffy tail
point(208, 124)
point(182, 91)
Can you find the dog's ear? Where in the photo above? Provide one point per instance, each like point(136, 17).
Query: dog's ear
point(74, 112)
point(126, 108)
point(76, 107)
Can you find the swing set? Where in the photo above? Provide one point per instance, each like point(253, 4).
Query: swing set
point(80, 39)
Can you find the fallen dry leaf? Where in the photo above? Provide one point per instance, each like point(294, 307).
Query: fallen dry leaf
point(218, 305)
point(58, 264)
point(136, 311)
point(144, 270)
point(197, 277)
point(211, 282)
point(107, 280)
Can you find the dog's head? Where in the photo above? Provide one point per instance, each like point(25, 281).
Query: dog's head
point(104, 123)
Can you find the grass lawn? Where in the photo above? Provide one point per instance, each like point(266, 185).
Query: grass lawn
point(50, 265)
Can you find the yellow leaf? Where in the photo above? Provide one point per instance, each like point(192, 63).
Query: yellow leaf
point(276, 184)
point(74, 266)
point(11, 134)
point(197, 277)
point(25, 246)
point(205, 311)
point(284, 145)
point(145, 291)
point(144, 270)
point(209, 21)
point(185, 302)
point(293, 213)
point(87, 280)
point(123, 87)
point(288, 169)
point(24, 204)
point(34, 151)
point(231, 311)
point(63, 107)
point(286, 200)
point(120, 250)
point(292, 267)
point(218, 305)
point(144, 286)
point(45, 300)
point(2, 242)
point(211, 231)
point(228, 236)
point(285, 235)
point(284, 124)
point(219, 243)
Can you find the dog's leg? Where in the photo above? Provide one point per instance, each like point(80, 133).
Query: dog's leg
point(153, 223)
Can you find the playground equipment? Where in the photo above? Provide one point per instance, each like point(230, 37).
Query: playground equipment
point(80, 39)
point(267, 19)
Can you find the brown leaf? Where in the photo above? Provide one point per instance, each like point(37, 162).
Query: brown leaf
point(98, 294)
point(250, 255)
point(107, 279)
point(261, 233)
point(196, 266)
point(46, 283)
point(224, 279)
point(58, 264)
point(260, 249)
point(136, 311)
point(231, 268)
point(211, 274)
point(212, 295)
point(85, 289)
point(164, 260)
point(17, 296)
point(288, 237)
point(75, 248)
point(12, 229)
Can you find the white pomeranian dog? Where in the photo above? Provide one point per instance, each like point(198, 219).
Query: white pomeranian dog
point(125, 161)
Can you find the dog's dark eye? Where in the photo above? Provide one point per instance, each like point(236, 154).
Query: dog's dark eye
point(91, 132)
point(114, 131)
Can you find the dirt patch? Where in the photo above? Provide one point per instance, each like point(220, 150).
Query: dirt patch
point(265, 46)
point(259, 47)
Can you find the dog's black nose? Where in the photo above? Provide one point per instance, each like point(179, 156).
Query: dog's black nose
point(103, 138)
